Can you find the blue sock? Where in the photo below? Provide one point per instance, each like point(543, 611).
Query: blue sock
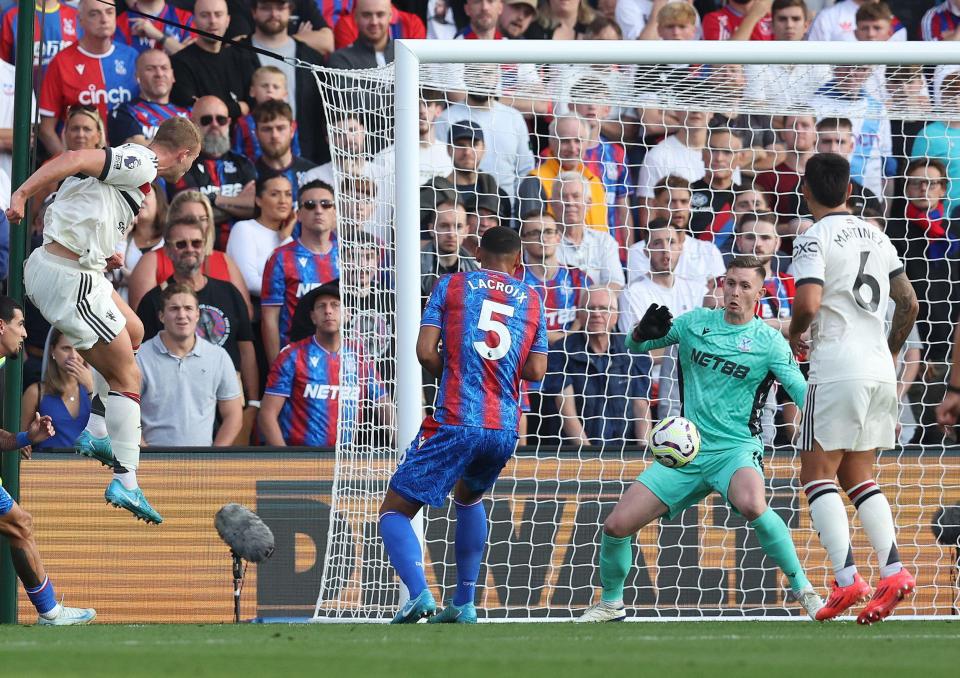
point(403, 547)
point(471, 538)
point(43, 597)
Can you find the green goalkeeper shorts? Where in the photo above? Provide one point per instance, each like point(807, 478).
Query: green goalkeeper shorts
point(681, 488)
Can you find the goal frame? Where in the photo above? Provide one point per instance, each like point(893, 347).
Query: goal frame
point(409, 55)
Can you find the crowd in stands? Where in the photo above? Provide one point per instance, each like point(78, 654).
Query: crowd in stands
point(233, 270)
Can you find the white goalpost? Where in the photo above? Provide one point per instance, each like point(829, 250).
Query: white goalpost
point(547, 510)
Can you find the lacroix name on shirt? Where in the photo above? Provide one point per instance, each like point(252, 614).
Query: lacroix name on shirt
point(498, 285)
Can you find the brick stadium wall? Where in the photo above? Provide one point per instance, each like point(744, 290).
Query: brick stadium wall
point(545, 514)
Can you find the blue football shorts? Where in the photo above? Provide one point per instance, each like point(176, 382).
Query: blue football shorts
point(6, 502)
point(442, 454)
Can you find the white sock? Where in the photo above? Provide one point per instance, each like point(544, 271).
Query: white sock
point(830, 521)
point(877, 521)
point(128, 479)
point(53, 612)
point(123, 424)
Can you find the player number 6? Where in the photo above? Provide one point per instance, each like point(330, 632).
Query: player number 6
point(488, 324)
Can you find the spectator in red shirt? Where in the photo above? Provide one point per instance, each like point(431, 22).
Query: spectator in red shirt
point(402, 25)
point(739, 20)
point(95, 71)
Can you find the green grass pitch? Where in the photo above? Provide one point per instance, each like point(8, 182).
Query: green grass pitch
point(742, 649)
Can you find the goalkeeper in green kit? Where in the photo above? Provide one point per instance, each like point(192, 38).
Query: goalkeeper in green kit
point(728, 360)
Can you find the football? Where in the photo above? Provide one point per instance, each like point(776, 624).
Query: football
point(674, 441)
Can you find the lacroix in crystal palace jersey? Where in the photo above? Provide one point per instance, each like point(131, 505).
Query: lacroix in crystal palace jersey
point(320, 388)
point(141, 43)
point(77, 77)
point(59, 30)
point(489, 323)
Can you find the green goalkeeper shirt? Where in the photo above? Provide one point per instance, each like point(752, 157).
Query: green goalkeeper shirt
point(725, 374)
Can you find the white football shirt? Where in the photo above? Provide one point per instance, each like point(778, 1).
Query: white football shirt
point(854, 263)
point(91, 215)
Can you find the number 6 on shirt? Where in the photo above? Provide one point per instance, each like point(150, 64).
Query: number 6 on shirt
point(488, 324)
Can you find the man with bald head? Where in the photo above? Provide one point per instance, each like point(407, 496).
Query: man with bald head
point(95, 71)
point(138, 120)
point(225, 177)
point(207, 67)
point(567, 134)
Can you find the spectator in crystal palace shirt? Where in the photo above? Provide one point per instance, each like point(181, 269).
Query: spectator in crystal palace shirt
point(268, 83)
point(275, 123)
point(143, 33)
point(838, 23)
point(315, 380)
point(225, 177)
point(928, 242)
point(299, 266)
point(712, 198)
point(604, 157)
point(739, 20)
point(941, 21)
point(59, 24)
point(402, 25)
point(95, 71)
point(558, 285)
point(137, 121)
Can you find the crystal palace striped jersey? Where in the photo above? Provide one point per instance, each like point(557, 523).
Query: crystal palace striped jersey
point(317, 396)
point(489, 323)
point(292, 271)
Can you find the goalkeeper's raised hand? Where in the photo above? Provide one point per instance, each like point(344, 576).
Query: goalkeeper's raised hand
point(654, 324)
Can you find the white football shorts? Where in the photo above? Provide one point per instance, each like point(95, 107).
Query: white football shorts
point(77, 301)
point(858, 414)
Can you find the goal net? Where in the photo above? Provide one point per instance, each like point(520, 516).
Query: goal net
point(643, 177)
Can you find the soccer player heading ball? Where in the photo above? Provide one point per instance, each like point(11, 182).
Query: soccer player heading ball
point(728, 360)
point(847, 272)
point(494, 333)
point(101, 194)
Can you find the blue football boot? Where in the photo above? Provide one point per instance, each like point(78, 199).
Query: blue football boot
point(95, 448)
point(416, 609)
point(456, 614)
point(131, 500)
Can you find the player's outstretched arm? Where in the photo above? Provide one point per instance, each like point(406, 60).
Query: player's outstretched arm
point(904, 315)
point(427, 353)
point(653, 330)
point(90, 162)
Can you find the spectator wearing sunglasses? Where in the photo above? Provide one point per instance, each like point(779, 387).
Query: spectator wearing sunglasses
point(224, 319)
point(225, 177)
point(299, 266)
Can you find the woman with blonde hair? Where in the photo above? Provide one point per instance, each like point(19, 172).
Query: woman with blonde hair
point(63, 392)
point(83, 130)
point(155, 267)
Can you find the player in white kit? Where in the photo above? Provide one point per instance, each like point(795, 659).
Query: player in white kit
point(847, 272)
point(101, 194)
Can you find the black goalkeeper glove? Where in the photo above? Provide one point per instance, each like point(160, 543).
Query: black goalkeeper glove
point(654, 324)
